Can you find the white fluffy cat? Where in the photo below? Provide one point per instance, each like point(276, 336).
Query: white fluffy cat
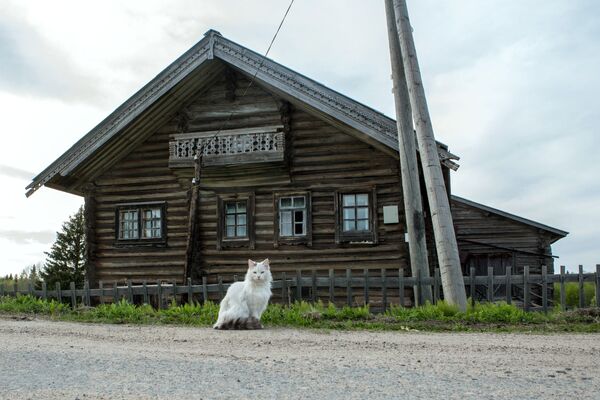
point(245, 301)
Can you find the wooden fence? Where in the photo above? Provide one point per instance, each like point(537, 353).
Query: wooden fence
point(306, 285)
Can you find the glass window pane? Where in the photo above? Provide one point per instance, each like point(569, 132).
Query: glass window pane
point(299, 216)
point(156, 213)
point(348, 200)
point(286, 217)
point(230, 231)
point(285, 202)
point(286, 229)
point(241, 219)
point(362, 212)
point(362, 225)
point(349, 226)
point(349, 213)
point(362, 199)
point(241, 231)
point(298, 201)
point(230, 220)
point(230, 207)
point(241, 206)
point(147, 233)
point(299, 229)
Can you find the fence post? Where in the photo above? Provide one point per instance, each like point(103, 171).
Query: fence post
point(284, 288)
point(221, 289)
point(101, 287)
point(86, 287)
point(44, 290)
point(401, 285)
point(472, 285)
point(563, 295)
point(349, 287)
point(115, 293)
point(145, 289)
point(508, 284)
point(383, 290)
point(159, 294)
point(545, 288)
point(73, 296)
point(175, 291)
point(598, 285)
point(366, 287)
point(581, 291)
point(129, 292)
point(58, 292)
point(30, 289)
point(15, 288)
point(436, 285)
point(526, 288)
point(204, 290)
point(298, 285)
point(490, 285)
point(314, 285)
point(331, 288)
point(190, 296)
point(2, 289)
point(419, 288)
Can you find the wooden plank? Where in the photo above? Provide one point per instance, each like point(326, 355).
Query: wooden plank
point(313, 277)
point(159, 295)
point(526, 294)
point(331, 288)
point(298, 285)
point(221, 288)
point(284, 294)
point(545, 288)
point(366, 285)
point(508, 284)
point(563, 295)
point(436, 285)
point(146, 295)
point(115, 293)
point(383, 290)
point(421, 300)
point(73, 296)
point(204, 290)
point(598, 285)
point(15, 289)
point(401, 286)
point(86, 288)
point(190, 294)
point(490, 284)
point(349, 287)
point(581, 291)
point(129, 292)
point(472, 285)
point(101, 287)
point(58, 292)
point(44, 290)
point(30, 289)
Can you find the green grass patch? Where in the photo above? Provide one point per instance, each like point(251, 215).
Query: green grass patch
point(485, 317)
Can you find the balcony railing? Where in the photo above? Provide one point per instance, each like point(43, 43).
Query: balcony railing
point(238, 146)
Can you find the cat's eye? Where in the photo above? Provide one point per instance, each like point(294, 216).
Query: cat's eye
point(262, 272)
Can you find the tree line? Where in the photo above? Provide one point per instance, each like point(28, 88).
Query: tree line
point(65, 262)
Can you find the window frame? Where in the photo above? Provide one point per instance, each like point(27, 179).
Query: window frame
point(369, 237)
point(222, 240)
point(139, 208)
point(279, 240)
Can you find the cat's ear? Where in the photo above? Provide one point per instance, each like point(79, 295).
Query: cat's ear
point(251, 264)
point(266, 263)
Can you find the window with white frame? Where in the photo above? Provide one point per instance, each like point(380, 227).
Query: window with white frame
point(355, 212)
point(236, 225)
point(356, 216)
point(292, 216)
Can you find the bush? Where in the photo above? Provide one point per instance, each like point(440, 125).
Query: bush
point(572, 294)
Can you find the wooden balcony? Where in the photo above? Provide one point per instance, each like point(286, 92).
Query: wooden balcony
point(237, 146)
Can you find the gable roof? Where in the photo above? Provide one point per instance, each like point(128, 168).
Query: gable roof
point(513, 217)
point(195, 69)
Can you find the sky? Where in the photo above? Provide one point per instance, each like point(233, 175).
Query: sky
point(512, 87)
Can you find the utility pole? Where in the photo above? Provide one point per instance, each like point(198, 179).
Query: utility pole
point(409, 171)
point(443, 228)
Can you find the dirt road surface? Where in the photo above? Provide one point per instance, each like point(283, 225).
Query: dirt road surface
point(42, 359)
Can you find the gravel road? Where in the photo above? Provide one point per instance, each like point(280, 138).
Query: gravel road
point(41, 359)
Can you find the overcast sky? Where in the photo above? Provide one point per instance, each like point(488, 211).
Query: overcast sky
point(513, 88)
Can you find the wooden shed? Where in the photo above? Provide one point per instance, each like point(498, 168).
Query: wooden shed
point(288, 169)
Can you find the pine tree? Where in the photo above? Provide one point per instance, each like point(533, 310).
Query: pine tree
point(65, 262)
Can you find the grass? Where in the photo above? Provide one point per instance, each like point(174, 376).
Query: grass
point(485, 317)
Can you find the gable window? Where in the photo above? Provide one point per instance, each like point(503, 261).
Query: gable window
point(140, 223)
point(292, 224)
point(235, 226)
point(356, 214)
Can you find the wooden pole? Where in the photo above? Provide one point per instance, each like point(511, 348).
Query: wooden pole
point(192, 236)
point(409, 171)
point(443, 228)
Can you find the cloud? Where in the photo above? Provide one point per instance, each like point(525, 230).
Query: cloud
point(17, 173)
point(28, 237)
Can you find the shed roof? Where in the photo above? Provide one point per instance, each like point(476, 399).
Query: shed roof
point(195, 69)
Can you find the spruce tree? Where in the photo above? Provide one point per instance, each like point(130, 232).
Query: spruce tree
point(65, 262)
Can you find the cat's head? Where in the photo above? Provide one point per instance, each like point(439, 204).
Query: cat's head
point(259, 271)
